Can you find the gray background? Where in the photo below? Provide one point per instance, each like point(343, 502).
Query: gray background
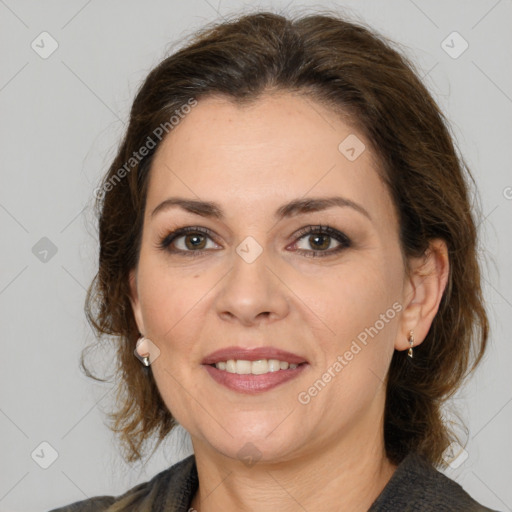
point(61, 119)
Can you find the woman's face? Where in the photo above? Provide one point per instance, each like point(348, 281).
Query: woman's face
point(249, 275)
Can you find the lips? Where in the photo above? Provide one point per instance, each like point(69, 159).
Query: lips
point(254, 354)
point(254, 383)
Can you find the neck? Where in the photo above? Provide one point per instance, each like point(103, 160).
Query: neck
point(346, 477)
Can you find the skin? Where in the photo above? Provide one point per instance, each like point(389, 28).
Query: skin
point(328, 453)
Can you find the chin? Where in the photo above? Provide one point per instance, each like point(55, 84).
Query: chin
point(252, 441)
point(250, 451)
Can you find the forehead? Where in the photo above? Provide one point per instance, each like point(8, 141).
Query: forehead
point(282, 146)
point(275, 122)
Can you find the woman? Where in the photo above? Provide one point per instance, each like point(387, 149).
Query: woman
point(287, 246)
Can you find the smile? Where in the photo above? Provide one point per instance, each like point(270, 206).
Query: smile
point(253, 370)
point(249, 383)
point(259, 367)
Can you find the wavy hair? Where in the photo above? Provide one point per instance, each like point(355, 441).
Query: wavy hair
point(360, 75)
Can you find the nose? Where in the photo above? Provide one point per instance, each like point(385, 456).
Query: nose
point(252, 293)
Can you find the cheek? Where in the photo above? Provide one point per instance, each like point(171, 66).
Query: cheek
point(360, 305)
point(168, 296)
point(353, 297)
point(172, 307)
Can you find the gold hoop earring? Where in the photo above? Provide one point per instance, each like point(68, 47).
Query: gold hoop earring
point(411, 342)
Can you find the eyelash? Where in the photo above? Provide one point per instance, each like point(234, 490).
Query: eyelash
point(340, 237)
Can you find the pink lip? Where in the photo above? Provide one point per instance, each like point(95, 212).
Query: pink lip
point(252, 355)
point(252, 384)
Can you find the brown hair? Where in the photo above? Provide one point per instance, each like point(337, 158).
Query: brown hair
point(356, 73)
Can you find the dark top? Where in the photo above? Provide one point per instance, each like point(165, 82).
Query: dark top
point(415, 486)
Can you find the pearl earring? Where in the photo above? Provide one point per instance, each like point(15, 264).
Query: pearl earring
point(142, 346)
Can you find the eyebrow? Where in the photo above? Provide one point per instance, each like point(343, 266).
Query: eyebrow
point(295, 207)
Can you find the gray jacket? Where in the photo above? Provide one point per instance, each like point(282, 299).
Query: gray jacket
point(415, 486)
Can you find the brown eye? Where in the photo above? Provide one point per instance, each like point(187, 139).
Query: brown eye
point(321, 241)
point(194, 241)
point(188, 241)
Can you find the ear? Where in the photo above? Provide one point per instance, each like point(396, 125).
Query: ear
point(423, 291)
point(134, 300)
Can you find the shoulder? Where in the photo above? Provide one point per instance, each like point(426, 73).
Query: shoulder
point(417, 485)
point(172, 488)
point(91, 505)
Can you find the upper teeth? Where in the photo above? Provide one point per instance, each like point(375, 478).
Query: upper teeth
point(243, 367)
